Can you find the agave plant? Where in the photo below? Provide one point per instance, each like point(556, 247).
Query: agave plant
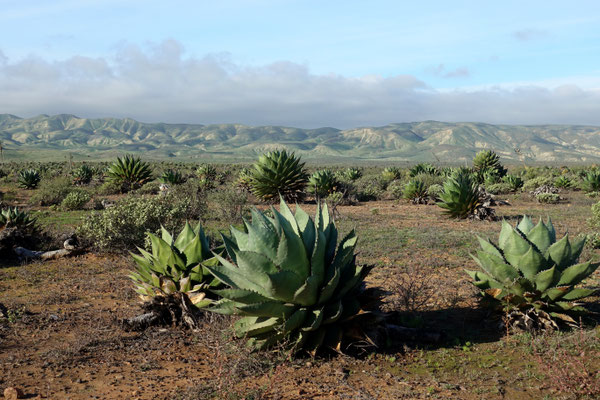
point(563, 182)
point(278, 173)
point(423, 168)
point(29, 179)
point(391, 173)
point(461, 197)
point(487, 160)
point(514, 181)
point(175, 266)
point(13, 218)
point(350, 174)
point(591, 182)
point(82, 175)
point(531, 276)
point(171, 177)
point(130, 173)
point(415, 191)
point(207, 172)
point(290, 284)
point(322, 183)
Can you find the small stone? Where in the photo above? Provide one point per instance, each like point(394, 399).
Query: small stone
point(13, 393)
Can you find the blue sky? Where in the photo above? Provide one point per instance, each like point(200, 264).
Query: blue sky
point(303, 63)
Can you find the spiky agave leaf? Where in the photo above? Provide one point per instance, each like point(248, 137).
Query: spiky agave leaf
point(130, 172)
point(278, 173)
point(532, 276)
point(29, 179)
point(461, 196)
point(175, 265)
point(291, 283)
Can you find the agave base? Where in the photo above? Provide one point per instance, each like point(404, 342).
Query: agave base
point(172, 310)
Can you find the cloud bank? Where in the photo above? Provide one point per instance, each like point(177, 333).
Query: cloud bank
point(161, 83)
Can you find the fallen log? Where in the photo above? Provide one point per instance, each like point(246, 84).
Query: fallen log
point(68, 250)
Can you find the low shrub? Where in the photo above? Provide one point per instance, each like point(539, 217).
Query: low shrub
point(229, 204)
point(52, 192)
point(548, 198)
point(534, 183)
point(75, 200)
point(124, 225)
point(499, 188)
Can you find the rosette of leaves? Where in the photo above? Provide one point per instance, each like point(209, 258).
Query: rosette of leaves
point(322, 183)
point(532, 277)
point(350, 174)
point(563, 182)
point(82, 175)
point(423, 168)
point(461, 197)
point(171, 177)
point(244, 178)
point(391, 173)
point(278, 173)
point(514, 181)
point(416, 191)
point(591, 181)
point(11, 217)
point(291, 283)
point(29, 179)
point(175, 265)
point(487, 160)
point(129, 172)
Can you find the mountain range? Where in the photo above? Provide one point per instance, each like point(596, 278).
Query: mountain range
point(442, 142)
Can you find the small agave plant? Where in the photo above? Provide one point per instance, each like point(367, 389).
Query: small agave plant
point(171, 177)
point(176, 266)
point(11, 217)
point(82, 175)
point(533, 277)
point(292, 284)
point(29, 179)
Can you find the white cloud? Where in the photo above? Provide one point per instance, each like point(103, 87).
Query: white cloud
point(161, 83)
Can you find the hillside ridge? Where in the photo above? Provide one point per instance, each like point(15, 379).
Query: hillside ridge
point(411, 141)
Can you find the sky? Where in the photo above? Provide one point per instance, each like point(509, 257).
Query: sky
point(303, 63)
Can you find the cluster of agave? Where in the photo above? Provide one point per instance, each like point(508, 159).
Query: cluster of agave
point(531, 276)
point(278, 173)
point(11, 217)
point(29, 179)
point(130, 173)
point(286, 275)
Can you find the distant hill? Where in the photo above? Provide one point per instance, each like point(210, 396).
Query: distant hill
point(417, 141)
